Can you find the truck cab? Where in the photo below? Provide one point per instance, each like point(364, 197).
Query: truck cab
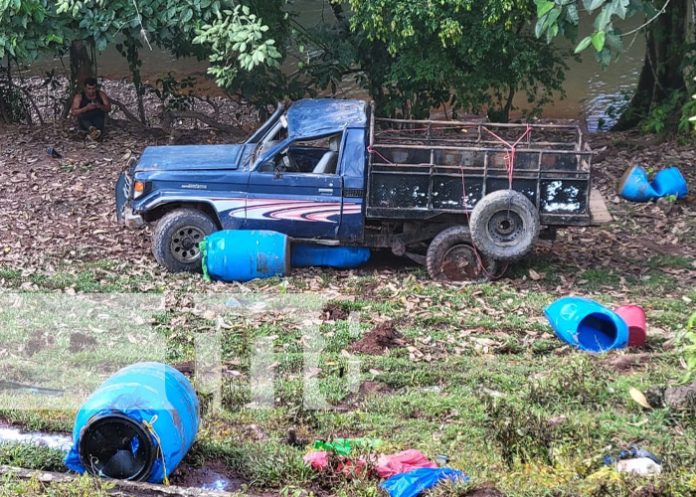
point(301, 173)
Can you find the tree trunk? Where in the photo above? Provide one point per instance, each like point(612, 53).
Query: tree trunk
point(81, 64)
point(662, 74)
point(81, 67)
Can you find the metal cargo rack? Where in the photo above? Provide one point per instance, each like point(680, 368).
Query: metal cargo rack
point(420, 169)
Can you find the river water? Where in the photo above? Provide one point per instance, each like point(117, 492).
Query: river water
point(591, 91)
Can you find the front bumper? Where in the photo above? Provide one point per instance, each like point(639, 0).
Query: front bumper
point(124, 212)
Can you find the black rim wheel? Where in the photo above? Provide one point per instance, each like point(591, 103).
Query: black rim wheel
point(505, 227)
point(184, 245)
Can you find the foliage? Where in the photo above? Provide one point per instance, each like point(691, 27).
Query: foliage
point(237, 42)
point(658, 120)
point(13, 106)
point(413, 56)
point(556, 17)
point(173, 94)
point(27, 27)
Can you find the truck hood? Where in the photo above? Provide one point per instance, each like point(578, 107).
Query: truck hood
point(194, 157)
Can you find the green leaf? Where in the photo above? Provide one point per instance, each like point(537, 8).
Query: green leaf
point(603, 19)
point(593, 4)
point(620, 7)
point(572, 14)
point(583, 44)
point(543, 6)
point(598, 40)
point(615, 42)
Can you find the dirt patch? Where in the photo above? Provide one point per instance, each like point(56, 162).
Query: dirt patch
point(80, 341)
point(681, 398)
point(382, 337)
point(373, 388)
point(627, 363)
point(39, 341)
point(486, 491)
point(215, 475)
point(187, 368)
point(334, 312)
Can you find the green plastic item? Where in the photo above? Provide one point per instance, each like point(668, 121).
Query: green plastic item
point(203, 247)
point(344, 446)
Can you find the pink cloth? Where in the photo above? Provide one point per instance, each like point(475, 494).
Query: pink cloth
point(402, 462)
point(319, 461)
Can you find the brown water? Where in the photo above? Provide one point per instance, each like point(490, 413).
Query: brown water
point(590, 90)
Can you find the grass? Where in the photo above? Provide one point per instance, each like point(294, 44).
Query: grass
point(480, 377)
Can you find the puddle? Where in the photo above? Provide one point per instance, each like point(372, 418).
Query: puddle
point(9, 434)
point(218, 482)
point(213, 476)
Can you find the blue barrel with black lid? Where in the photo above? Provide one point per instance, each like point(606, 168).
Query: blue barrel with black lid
point(138, 425)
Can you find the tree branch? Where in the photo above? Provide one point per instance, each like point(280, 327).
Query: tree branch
point(122, 107)
point(204, 118)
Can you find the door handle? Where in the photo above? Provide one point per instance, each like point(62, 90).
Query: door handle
point(325, 190)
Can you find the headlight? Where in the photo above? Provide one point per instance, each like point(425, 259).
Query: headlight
point(138, 189)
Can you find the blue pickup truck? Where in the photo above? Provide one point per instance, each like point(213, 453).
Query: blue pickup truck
point(456, 197)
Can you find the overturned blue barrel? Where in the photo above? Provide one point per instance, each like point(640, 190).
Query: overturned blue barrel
point(670, 181)
point(243, 255)
point(307, 255)
point(138, 425)
point(635, 186)
point(587, 325)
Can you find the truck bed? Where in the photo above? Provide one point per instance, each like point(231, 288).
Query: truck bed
point(423, 169)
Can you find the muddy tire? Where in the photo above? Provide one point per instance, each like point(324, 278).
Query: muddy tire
point(176, 237)
point(452, 256)
point(504, 225)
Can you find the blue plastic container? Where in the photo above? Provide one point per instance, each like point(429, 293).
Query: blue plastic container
point(304, 255)
point(670, 182)
point(138, 425)
point(587, 325)
point(243, 255)
point(634, 185)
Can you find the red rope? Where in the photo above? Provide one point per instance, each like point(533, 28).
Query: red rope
point(373, 151)
point(510, 157)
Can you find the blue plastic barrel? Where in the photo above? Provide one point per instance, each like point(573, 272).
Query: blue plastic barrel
point(304, 255)
point(634, 185)
point(587, 325)
point(670, 182)
point(138, 425)
point(243, 255)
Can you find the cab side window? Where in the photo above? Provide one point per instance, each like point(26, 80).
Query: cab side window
point(308, 156)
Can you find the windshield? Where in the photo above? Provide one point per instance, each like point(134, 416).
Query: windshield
point(278, 133)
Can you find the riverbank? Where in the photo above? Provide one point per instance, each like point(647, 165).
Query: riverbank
point(475, 374)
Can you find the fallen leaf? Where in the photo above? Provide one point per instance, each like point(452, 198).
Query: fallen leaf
point(639, 397)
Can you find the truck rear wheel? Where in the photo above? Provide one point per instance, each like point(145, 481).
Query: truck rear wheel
point(176, 238)
point(504, 225)
point(451, 256)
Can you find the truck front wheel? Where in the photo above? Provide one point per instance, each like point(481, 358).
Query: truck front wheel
point(451, 256)
point(176, 238)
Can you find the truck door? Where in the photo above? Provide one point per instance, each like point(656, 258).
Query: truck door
point(298, 191)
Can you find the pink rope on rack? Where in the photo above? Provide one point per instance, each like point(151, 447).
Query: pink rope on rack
point(510, 157)
point(373, 151)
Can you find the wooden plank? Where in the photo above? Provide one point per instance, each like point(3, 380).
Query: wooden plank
point(598, 209)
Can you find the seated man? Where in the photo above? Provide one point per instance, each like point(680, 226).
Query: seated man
point(90, 108)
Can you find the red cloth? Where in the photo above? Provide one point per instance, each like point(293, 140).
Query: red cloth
point(402, 462)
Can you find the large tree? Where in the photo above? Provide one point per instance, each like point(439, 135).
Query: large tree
point(662, 87)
